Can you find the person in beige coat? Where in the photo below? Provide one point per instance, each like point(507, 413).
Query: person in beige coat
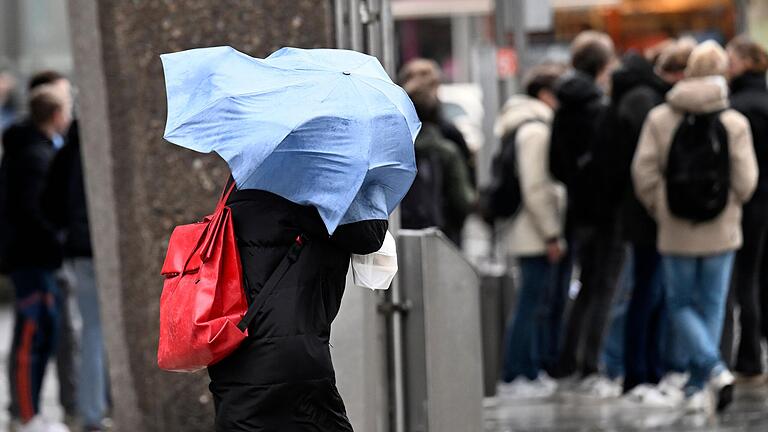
point(534, 236)
point(697, 257)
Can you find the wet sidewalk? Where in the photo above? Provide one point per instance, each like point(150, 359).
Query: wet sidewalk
point(749, 413)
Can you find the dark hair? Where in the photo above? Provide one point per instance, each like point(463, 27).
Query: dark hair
point(44, 77)
point(542, 77)
point(749, 50)
point(591, 52)
point(43, 105)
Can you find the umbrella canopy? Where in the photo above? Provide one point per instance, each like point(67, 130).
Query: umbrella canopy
point(321, 127)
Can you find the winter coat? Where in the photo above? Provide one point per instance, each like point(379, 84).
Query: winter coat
point(64, 201)
point(282, 378)
point(570, 152)
point(636, 89)
point(542, 213)
point(453, 194)
point(28, 239)
point(678, 236)
point(749, 96)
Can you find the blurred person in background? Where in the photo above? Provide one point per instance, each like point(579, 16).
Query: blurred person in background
point(749, 96)
point(65, 206)
point(67, 346)
point(590, 226)
point(696, 131)
point(7, 103)
point(535, 237)
point(638, 86)
point(426, 73)
point(442, 185)
point(30, 250)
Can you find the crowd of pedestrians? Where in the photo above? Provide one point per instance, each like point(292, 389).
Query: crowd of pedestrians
point(642, 205)
point(45, 250)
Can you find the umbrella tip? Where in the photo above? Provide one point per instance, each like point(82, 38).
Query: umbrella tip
point(347, 73)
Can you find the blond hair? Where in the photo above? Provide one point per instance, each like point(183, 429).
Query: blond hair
point(674, 57)
point(707, 59)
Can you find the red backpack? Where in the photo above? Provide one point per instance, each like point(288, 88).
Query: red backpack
point(204, 314)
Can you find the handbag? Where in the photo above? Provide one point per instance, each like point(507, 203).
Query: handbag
point(204, 313)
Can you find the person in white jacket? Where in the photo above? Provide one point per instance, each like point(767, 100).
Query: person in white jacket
point(534, 236)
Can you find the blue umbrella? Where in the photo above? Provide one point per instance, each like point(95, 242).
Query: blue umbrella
point(322, 127)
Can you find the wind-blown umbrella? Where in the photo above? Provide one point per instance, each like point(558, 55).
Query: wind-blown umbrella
point(322, 127)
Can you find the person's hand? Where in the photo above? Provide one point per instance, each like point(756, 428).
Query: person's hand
point(554, 251)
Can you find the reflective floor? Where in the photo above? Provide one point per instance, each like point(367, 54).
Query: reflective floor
point(749, 413)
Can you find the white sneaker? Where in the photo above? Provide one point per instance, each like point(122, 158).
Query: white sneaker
point(700, 402)
point(38, 424)
point(523, 388)
point(655, 397)
point(673, 381)
point(599, 387)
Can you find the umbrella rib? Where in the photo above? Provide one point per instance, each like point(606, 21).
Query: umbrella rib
point(405, 117)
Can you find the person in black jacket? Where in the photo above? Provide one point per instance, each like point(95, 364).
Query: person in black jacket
point(589, 229)
point(30, 252)
point(638, 86)
point(749, 96)
point(282, 378)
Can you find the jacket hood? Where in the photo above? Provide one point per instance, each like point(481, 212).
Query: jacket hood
point(699, 95)
point(520, 109)
point(577, 88)
point(636, 71)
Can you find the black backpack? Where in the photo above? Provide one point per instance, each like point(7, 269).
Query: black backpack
point(698, 172)
point(423, 206)
point(503, 197)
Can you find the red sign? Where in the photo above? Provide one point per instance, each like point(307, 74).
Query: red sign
point(506, 62)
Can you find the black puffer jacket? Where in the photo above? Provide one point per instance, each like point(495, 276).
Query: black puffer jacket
point(749, 96)
point(572, 142)
point(28, 240)
point(282, 378)
point(636, 90)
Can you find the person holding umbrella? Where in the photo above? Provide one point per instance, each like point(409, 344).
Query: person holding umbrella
point(320, 145)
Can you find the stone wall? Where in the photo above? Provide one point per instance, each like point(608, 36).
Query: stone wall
point(140, 186)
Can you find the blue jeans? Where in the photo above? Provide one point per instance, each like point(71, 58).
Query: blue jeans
point(613, 347)
point(34, 337)
point(524, 340)
point(697, 288)
point(92, 374)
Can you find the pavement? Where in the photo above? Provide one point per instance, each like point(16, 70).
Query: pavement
point(748, 413)
point(50, 401)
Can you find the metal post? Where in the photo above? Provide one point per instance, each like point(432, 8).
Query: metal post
point(355, 26)
point(387, 28)
point(372, 22)
point(339, 11)
point(388, 37)
point(517, 19)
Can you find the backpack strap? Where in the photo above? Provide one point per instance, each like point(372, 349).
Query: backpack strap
point(258, 302)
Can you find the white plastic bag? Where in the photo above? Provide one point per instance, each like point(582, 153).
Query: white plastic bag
point(376, 270)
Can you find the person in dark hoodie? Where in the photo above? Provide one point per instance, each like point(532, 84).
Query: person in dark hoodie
point(596, 251)
point(749, 96)
point(638, 86)
point(30, 252)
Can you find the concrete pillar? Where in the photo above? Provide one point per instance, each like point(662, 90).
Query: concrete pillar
point(139, 187)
